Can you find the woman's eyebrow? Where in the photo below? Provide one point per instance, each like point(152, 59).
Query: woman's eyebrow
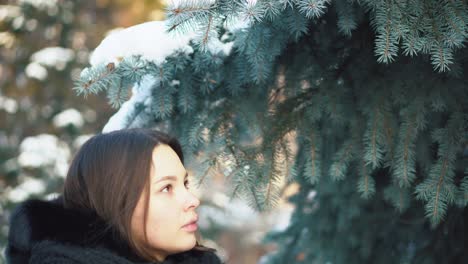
point(170, 177)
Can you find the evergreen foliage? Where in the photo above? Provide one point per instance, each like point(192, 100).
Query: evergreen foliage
point(363, 102)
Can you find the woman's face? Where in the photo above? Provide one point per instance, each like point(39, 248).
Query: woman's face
point(171, 206)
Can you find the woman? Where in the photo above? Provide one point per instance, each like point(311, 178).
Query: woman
point(126, 199)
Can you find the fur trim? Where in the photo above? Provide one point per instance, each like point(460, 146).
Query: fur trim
point(36, 223)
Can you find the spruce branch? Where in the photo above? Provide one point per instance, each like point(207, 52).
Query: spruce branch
point(287, 3)
point(133, 68)
point(253, 11)
point(346, 17)
point(456, 16)
point(296, 22)
point(397, 196)
point(162, 93)
point(272, 9)
point(441, 57)
point(414, 121)
point(196, 134)
point(365, 184)
point(411, 44)
point(439, 190)
point(386, 43)
point(373, 139)
point(312, 8)
point(272, 189)
point(254, 202)
point(118, 93)
point(389, 132)
point(184, 15)
point(312, 169)
point(206, 34)
point(343, 157)
point(185, 99)
point(96, 79)
point(463, 199)
point(436, 214)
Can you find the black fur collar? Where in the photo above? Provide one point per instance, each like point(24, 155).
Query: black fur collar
point(36, 221)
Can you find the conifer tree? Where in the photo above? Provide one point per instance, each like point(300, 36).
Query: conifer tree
point(363, 103)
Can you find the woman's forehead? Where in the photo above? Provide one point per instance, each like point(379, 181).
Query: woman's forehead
point(166, 162)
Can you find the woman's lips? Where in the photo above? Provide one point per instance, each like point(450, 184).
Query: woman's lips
point(192, 227)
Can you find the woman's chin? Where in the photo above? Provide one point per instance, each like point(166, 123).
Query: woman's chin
point(185, 242)
point(190, 243)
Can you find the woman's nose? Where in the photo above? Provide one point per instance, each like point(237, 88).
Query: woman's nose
point(192, 201)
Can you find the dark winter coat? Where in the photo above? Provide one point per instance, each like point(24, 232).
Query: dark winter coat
point(44, 232)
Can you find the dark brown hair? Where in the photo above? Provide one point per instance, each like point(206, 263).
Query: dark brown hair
point(108, 175)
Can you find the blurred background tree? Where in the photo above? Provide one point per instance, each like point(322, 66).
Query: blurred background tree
point(43, 44)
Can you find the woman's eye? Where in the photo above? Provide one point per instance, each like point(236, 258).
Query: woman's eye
point(168, 188)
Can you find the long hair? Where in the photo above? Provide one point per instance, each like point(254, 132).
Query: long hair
point(109, 174)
